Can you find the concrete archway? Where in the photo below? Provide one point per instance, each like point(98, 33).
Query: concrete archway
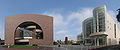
point(45, 23)
point(27, 31)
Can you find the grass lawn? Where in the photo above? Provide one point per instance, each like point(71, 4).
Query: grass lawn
point(20, 46)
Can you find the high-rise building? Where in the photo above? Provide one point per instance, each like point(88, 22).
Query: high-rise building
point(100, 29)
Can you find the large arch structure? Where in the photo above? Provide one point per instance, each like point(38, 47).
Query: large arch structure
point(41, 22)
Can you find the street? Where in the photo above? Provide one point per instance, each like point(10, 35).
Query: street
point(113, 47)
point(78, 47)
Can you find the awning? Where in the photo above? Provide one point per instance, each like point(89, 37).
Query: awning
point(31, 27)
point(38, 30)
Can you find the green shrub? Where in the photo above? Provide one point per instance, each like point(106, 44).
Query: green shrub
point(20, 46)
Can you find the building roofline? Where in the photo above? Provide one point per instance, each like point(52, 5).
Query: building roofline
point(29, 14)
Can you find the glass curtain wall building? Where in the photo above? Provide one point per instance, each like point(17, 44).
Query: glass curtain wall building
point(100, 29)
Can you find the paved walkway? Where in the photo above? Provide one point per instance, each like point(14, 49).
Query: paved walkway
point(40, 48)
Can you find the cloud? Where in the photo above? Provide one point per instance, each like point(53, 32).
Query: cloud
point(61, 32)
point(80, 15)
point(58, 19)
point(69, 25)
point(113, 15)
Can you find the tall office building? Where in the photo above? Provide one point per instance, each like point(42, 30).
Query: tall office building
point(100, 29)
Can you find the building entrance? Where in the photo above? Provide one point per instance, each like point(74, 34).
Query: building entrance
point(27, 31)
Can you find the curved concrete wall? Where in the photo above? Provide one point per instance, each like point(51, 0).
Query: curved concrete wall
point(45, 22)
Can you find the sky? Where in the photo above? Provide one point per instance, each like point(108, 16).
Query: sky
point(68, 14)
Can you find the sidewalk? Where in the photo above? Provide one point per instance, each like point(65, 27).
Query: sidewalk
point(40, 48)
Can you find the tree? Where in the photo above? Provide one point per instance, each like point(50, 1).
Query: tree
point(118, 16)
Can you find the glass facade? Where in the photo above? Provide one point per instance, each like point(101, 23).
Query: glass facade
point(99, 18)
point(88, 27)
point(94, 25)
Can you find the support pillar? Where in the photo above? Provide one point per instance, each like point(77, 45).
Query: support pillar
point(34, 34)
point(97, 42)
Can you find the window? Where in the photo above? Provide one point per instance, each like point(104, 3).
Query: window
point(115, 30)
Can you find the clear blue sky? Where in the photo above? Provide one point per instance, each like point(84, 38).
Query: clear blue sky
point(65, 12)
